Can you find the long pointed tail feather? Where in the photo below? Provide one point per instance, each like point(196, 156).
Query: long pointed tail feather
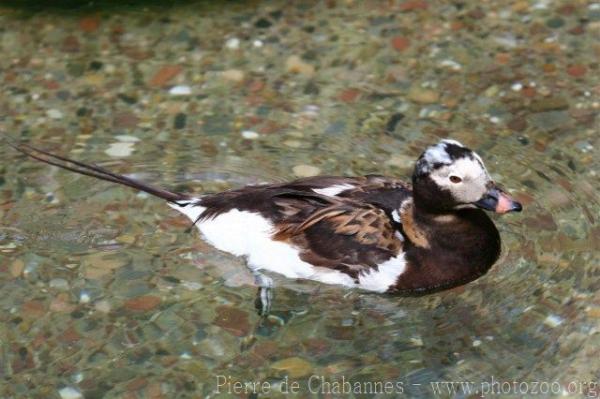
point(95, 171)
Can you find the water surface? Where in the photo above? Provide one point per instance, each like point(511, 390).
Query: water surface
point(106, 293)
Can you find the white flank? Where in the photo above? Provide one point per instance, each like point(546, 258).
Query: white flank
point(333, 190)
point(248, 234)
point(386, 275)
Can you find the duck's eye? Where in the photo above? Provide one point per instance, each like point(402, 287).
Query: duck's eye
point(455, 179)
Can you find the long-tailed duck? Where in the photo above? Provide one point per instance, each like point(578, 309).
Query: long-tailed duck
point(375, 233)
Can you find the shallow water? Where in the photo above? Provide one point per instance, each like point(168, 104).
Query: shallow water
point(105, 293)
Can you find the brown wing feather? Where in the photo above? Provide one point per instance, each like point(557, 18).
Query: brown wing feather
point(345, 236)
point(368, 225)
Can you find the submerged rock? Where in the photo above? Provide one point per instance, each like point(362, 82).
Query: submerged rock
point(306, 170)
point(294, 64)
point(294, 367)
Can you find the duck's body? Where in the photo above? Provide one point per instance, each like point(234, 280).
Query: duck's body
point(358, 232)
point(374, 233)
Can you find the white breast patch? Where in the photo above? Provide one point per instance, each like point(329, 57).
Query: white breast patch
point(386, 275)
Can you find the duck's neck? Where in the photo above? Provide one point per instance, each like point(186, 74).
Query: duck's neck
point(421, 227)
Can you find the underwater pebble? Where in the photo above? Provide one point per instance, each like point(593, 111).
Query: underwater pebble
point(263, 23)
point(294, 367)
point(71, 45)
point(306, 170)
point(191, 285)
point(422, 95)
point(233, 75)
point(401, 161)
point(507, 40)
point(127, 139)
point(233, 43)
point(220, 347)
point(341, 366)
point(577, 71)
point(180, 90)
point(119, 150)
point(294, 64)
point(549, 104)
point(33, 308)
point(543, 221)
point(30, 267)
point(557, 198)
point(164, 75)
point(593, 311)
point(491, 91)
point(233, 320)
point(142, 303)
point(453, 65)
point(180, 121)
point(349, 95)
point(311, 110)
point(70, 393)
point(126, 239)
point(84, 297)
point(249, 134)
point(342, 333)
point(102, 306)
point(8, 248)
point(292, 143)
point(400, 43)
point(77, 378)
point(100, 264)
point(16, 267)
point(54, 114)
point(413, 5)
point(61, 303)
point(89, 24)
point(516, 87)
point(59, 284)
point(548, 121)
point(555, 22)
point(553, 321)
point(125, 120)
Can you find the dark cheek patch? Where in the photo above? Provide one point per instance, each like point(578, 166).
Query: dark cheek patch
point(430, 196)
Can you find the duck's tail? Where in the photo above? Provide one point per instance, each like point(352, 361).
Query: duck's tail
point(97, 172)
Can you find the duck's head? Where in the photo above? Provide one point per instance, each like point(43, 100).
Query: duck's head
point(449, 176)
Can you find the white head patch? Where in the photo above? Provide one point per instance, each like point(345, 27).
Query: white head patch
point(435, 155)
point(449, 160)
point(473, 175)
